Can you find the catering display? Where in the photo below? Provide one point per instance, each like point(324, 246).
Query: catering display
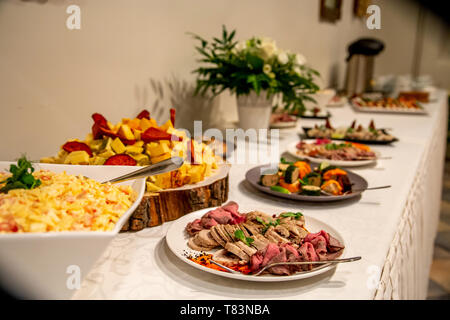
point(299, 181)
point(402, 104)
point(141, 141)
point(247, 242)
point(353, 133)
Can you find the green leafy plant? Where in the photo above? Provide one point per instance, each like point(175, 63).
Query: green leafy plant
point(22, 176)
point(254, 65)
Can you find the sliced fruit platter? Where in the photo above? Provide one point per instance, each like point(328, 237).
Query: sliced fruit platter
point(238, 245)
point(388, 105)
point(139, 142)
point(339, 153)
point(352, 133)
point(298, 181)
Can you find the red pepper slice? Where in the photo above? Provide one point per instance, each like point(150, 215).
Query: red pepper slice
point(101, 120)
point(120, 160)
point(172, 116)
point(77, 146)
point(127, 142)
point(144, 114)
point(155, 134)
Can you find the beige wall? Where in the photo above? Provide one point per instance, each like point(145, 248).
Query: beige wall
point(52, 79)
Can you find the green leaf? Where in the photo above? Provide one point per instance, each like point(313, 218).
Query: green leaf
point(295, 215)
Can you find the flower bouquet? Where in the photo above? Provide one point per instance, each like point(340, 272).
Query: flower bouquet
point(256, 71)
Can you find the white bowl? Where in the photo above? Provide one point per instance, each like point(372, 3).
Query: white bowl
point(41, 265)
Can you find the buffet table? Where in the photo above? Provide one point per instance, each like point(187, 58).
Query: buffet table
point(392, 229)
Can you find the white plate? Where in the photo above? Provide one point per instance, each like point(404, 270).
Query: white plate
point(282, 125)
point(39, 265)
point(177, 239)
point(292, 150)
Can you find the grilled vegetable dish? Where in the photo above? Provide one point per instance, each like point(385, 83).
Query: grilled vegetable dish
point(297, 177)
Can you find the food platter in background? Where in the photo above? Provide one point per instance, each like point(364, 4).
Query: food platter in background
point(294, 151)
point(401, 105)
point(352, 133)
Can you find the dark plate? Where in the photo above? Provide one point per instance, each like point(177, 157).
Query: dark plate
point(306, 129)
point(358, 183)
point(316, 117)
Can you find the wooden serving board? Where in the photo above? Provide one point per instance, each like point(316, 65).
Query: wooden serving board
point(159, 207)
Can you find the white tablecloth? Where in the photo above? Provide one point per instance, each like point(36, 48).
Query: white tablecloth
point(392, 229)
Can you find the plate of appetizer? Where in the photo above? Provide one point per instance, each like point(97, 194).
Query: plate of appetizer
point(403, 104)
point(353, 133)
point(337, 101)
point(313, 113)
point(282, 120)
point(299, 181)
point(229, 242)
point(337, 153)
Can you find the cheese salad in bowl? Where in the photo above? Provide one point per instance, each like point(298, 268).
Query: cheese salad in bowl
point(57, 217)
point(63, 202)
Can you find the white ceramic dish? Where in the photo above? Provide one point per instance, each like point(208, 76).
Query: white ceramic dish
point(38, 265)
point(292, 150)
point(177, 238)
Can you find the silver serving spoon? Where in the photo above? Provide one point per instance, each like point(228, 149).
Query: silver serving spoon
point(151, 170)
point(354, 190)
point(307, 262)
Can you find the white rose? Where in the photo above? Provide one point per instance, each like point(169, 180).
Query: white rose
point(283, 57)
point(300, 59)
point(267, 68)
point(268, 48)
point(297, 70)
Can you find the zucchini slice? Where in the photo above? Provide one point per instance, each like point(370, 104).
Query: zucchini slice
point(269, 179)
point(313, 179)
point(311, 190)
point(291, 174)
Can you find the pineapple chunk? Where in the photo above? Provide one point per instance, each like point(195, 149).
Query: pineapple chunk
point(155, 149)
point(125, 132)
point(160, 158)
point(163, 180)
point(133, 149)
point(125, 120)
point(95, 145)
point(107, 154)
point(138, 144)
point(196, 173)
point(142, 159)
point(167, 125)
point(89, 138)
point(97, 161)
point(151, 187)
point(137, 134)
point(106, 145)
point(118, 146)
point(135, 124)
point(110, 125)
point(77, 157)
point(145, 124)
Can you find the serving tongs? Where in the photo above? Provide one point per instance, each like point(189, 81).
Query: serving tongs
point(323, 192)
point(151, 170)
point(296, 263)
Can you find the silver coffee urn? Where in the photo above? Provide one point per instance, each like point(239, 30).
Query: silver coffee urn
point(360, 65)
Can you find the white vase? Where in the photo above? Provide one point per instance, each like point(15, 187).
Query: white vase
point(254, 111)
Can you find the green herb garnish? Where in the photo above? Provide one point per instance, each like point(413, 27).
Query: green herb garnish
point(296, 215)
point(267, 225)
point(284, 161)
point(239, 234)
point(22, 177)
